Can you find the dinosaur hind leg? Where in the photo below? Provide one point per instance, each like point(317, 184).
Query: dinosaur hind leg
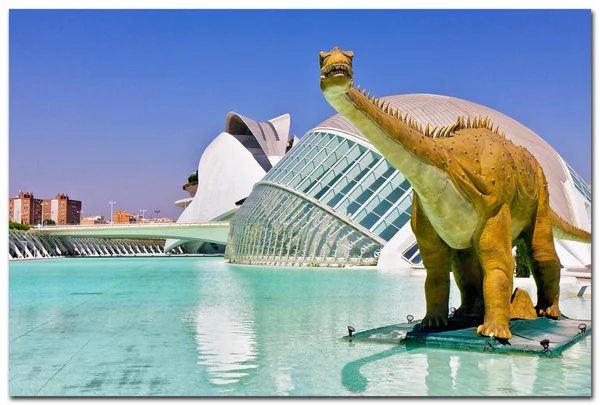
point(546, 269)
point(436, 256)
point(469, 279)
point(494, 248)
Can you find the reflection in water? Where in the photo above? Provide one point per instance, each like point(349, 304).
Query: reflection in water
point(283, 381)
point(454, 367)
point(225, 336)
point(266, 328)
point(226, 345)
point(353, 380)
point(440, 372)
point(220, 329)
point(299, 314)
point(506, 375)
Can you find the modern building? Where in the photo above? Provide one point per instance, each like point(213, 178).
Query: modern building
point(26, 209)
point(228, 169)
point(335, 200)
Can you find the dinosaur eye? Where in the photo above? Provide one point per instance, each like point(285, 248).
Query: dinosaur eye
point(322, 56)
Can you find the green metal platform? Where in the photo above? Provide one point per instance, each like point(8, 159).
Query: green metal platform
point(461, 334)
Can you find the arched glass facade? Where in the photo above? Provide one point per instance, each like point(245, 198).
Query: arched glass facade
point(279, 227)
point(335, 188)
point(580, 184)
point(354, 181)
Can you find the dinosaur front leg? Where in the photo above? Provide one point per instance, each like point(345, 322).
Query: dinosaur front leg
point(436, 256)
point(494, 251)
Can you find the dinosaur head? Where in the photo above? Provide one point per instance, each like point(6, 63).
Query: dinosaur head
point(336, 71)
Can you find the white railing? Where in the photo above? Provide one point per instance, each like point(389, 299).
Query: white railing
point(133, 225)
point(24, 245)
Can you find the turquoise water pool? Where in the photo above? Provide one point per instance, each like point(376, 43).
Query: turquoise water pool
point(198, 326)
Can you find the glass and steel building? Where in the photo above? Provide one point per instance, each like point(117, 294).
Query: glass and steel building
point(332, 200)
point(335, 200)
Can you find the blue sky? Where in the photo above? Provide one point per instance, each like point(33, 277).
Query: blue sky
point(120, 104)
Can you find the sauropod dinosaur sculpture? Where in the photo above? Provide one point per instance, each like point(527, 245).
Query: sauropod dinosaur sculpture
point(475, 193)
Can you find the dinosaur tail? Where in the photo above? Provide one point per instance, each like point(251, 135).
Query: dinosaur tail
point(561, 229)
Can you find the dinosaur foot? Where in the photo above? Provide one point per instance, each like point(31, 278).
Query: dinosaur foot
point(434, 321)
point(549, 312)
point(501, 331)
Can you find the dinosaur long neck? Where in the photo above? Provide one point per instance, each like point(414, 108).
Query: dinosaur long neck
point(417, 155)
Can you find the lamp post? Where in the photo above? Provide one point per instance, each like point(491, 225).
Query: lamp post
point(143, 211)
point(111, 202)
point(157, 212)
point(80, 212)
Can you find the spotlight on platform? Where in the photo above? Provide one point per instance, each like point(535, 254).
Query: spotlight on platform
point(350, 330)
point(545, 344)
point(410, 318)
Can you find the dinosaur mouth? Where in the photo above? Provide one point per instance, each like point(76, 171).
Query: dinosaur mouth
point(338, 69)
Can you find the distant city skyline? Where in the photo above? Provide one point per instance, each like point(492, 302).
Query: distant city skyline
point(26, 209)
point(119, 105)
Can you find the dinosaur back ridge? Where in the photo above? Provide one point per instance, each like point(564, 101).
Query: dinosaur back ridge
point(462, 122)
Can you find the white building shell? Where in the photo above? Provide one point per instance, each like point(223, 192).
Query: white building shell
point(230, 165)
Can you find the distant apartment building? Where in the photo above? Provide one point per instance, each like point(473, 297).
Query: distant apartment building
point(162, 220)
point(25, 209)
point(140, 219)
point(93, 220)
point(67, 211)
point(121, 217)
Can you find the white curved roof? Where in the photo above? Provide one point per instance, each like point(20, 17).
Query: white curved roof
point(437, 110)
point(263, 139)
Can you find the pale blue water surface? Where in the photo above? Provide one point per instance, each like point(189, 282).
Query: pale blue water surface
point(199, 326)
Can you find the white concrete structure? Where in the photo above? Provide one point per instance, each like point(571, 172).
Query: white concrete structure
point(214, 231)
point(335, 200)
point(231, 165)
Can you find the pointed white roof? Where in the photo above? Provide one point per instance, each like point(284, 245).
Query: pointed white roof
point(266, 140)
